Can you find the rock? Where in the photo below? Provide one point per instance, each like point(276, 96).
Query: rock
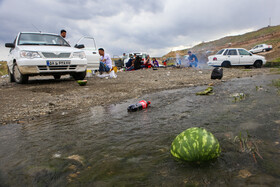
point(244, 173)
point(76, 158)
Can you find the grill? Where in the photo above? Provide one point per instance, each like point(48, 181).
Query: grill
point(46, 68)
point(53, 55)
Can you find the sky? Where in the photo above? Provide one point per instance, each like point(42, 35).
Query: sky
point(153, 26)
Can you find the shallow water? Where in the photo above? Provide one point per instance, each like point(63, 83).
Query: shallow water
point(108, 146)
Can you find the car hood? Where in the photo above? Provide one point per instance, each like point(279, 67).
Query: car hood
point(48, 48)
point(259, 56)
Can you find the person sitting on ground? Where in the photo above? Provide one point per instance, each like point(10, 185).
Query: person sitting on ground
point(147, 62)
point(155, 63)
point(129, 63)
point(192, 59)
point(137, 63)
point(105, 64)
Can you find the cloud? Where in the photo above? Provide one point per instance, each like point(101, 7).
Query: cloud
point(132, 25)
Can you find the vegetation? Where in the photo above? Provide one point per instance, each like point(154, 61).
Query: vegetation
point(248, 145)
point(268, 35)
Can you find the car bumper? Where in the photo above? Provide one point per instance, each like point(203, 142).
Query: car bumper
point(214, 64)
point(40, 66)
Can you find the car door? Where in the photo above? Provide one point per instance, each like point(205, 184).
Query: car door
point(245, 57)
point(91, 52)
point(233, 57)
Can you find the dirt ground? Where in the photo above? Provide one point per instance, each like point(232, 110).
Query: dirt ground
point(44, 95)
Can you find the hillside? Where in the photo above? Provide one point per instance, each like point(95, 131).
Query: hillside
point(267, 35)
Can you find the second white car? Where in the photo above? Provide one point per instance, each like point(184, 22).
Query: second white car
point(235, 57)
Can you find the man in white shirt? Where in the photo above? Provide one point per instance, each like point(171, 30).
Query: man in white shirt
point(105, 61)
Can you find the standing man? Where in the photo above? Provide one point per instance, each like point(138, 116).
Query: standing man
point(63, 33)
point(193, 59)
point(105, 62)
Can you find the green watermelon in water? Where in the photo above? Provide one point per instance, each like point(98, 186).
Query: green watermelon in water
point(82, 82)
point(195, 144)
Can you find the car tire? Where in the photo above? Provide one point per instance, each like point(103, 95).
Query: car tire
point(226, 64)
point(56, 77)
point(18, 77)
point(11, 76)
point(79, 76)
point(258, 64)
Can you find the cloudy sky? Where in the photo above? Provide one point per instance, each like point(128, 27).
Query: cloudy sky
point(153, 26)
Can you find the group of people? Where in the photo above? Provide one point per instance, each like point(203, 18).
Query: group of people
point(133, 63)
point(136, 63)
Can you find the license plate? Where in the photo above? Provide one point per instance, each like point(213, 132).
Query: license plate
point(58, 63)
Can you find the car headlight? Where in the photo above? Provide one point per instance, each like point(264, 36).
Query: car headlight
point(30, 54)
point(79, 55)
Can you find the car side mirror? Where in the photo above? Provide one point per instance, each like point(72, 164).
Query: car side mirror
point(80, 46)
point(10, 45)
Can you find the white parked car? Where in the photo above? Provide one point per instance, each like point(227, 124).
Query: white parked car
point(38, 53)
point(235, 57)
point(261, 48)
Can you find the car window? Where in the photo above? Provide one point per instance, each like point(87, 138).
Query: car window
point(243, 52)
point(232, 52)
point(261, 45)
point(225, 53)
point(41, 39)
point(220, 52)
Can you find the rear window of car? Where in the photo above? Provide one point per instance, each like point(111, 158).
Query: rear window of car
point(220, 52)
point(232, 52)
point(243, 52)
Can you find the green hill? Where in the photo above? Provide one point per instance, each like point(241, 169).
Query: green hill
point(268, 35)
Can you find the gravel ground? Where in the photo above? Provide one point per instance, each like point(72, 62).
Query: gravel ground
point(44, 95)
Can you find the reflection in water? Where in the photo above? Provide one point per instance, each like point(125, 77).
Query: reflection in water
point(108, 146)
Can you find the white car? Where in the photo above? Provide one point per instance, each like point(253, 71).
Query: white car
point(36, 53)
point(235, 57)
point(261, 48)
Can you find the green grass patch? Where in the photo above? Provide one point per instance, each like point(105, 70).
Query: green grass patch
point(273, 63)
point(276, 83)
point(3, 68)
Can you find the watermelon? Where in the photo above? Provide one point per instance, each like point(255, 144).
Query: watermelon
point(82, 82)
point(195, 145)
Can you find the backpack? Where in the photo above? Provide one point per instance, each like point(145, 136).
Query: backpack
point(217, 73)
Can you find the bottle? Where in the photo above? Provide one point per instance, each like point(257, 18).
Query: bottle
point(138, 106)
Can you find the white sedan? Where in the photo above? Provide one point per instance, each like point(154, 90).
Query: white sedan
point(261, 48)
point(44, 54)
point(235, 57)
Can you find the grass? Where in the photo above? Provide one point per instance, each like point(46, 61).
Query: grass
point(3, 68)
point(276, 83)
point(273, 63)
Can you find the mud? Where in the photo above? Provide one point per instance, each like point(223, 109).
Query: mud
point(44, 95)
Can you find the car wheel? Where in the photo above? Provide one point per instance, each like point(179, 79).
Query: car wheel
point(56, 77)
point(18, 77)
point(226, 64)
point(11, 76)
point(79, 76)
point(258, 64)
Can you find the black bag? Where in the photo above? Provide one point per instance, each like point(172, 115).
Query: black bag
point(217, 73)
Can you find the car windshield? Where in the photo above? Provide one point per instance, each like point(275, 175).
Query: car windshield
point(41, 39)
